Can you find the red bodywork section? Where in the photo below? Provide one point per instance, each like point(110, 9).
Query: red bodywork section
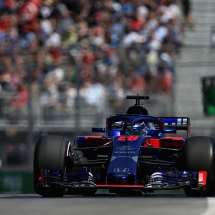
point(170, 142)
point(202, 178)
point(127, 186)
point(96, 140)
point(175, 142)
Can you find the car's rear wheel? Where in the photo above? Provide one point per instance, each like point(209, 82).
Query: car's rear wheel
point(50, 153)
point(198, 156)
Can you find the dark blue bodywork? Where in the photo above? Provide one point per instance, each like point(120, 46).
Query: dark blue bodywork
point(124, 158)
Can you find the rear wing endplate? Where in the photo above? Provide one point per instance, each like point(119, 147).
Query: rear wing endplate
point(179, 123)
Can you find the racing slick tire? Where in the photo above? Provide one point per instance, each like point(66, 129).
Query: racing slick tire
point(198, 156)
point(50, 153)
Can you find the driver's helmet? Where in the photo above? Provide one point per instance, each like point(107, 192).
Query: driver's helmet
point(139, 128)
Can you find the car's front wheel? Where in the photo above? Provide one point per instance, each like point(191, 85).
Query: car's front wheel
point(50, 153)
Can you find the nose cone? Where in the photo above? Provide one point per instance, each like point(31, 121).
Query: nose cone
point(121, 179)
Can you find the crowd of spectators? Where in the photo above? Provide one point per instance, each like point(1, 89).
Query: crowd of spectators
point(58, 49)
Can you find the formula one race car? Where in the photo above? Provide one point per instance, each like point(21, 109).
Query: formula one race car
point(136, 155)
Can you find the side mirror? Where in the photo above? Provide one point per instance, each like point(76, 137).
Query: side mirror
point(102, 130)
point(169, 130)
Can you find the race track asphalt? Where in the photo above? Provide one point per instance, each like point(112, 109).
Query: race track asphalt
point(106, 204)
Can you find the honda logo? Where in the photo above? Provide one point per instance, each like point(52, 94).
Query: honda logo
point(121, 170)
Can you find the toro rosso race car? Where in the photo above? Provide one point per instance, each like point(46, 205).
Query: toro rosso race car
point(138, 153)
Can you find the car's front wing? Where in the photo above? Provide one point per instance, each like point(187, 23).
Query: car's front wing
point(54, 181)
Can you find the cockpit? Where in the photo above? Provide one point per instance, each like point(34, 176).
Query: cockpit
point(138, 128)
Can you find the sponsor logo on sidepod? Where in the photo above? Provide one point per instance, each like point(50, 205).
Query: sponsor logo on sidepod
point(124, 152)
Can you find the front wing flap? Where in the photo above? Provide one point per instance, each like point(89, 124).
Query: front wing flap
point(53, 182)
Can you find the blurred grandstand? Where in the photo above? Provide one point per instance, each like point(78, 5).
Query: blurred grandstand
point(58, 56)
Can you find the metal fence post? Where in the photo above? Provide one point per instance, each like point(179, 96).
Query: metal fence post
point(30, 64)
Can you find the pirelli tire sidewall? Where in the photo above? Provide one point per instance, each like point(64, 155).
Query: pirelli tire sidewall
point(198, 155)
point(50, 152)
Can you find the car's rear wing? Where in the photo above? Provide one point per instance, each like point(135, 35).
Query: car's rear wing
point(179, 123)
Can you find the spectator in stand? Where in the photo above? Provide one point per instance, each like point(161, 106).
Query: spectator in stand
point(69, 37)
point(19, 102)
point(20, 99)
point(187, 10)
point(165, 80)
point(114, 91)
point(49, 99)
point(90, 90)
